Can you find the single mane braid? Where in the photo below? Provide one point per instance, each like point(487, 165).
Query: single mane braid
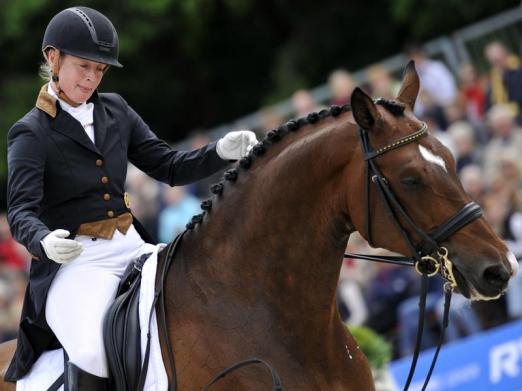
point(231, 175)
point(206, 205)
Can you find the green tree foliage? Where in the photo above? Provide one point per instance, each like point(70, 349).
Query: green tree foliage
point(429, 18)
point(376, 348)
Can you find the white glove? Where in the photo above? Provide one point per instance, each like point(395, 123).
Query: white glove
point(235, 145)
point(58, 248)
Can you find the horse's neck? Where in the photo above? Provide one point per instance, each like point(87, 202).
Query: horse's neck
point(282, 227)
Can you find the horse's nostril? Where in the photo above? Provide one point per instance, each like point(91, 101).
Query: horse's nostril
point(497, 276)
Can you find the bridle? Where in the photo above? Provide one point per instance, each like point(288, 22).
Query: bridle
point(429, 257)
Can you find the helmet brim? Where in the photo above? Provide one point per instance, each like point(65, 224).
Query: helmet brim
point(101, 59)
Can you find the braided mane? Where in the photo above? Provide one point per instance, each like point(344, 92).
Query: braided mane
point(273, 137)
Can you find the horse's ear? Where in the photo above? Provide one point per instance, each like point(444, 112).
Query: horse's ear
point(364, 110)
point(410, 86)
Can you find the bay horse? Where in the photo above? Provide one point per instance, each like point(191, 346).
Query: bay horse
point(256, 274)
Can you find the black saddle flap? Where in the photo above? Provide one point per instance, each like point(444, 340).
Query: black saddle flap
point(121, 331)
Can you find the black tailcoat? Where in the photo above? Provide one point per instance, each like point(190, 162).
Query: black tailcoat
point(57, 178)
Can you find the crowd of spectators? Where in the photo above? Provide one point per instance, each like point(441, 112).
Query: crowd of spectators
point(477, 116)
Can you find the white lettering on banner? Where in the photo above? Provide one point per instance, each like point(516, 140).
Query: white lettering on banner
point(451, 379)
point(463, 375)
point(504, 360)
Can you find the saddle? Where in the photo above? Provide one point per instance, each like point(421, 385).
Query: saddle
point(121, 331)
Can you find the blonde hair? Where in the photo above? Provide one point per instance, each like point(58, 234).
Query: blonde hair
point(45, 70)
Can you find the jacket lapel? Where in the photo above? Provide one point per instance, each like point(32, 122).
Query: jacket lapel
point(64, 123)
point(100, 121)
point(68, 126)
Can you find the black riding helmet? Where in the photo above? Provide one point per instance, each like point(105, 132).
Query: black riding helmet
point(83, 32)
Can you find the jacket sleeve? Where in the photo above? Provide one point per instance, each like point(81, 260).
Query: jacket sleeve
point(156, 158)
point(26, 162)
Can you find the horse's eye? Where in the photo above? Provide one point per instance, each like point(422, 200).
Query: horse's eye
point(412, 182)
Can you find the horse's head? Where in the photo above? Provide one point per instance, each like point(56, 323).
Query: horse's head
point(420, 172)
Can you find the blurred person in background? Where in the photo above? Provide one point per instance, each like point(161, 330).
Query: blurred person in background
point(354, 278)
point(304, 103)
point(502, 210)
point(12, 254)
point(144, 192)
point(505, 84)
point(12, 288)
point(201, 189)
point(472, 91)
point(269, 118)
point(67, 163)
point(506, 138)
point(473, 182)
point(350, 301)
point(179, 208)
point(432, 120)
point(507, 175)
point(381, 82)
point(463, 139)
point(455, 112)
point(341, 86)
point(391, 285)
point(435, 77)
point(429, 110)
point(8, 327)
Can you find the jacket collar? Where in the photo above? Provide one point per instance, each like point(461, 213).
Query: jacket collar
point(46, 102)
point(49, 104)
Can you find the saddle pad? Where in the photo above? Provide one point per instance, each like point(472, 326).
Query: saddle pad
point(49, 365)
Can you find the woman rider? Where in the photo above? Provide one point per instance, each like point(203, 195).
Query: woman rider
point(67, 162)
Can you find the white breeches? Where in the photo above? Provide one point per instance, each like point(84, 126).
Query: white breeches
point(81, 292)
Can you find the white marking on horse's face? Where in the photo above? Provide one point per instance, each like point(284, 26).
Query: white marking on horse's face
point(513, 262)
point(432, 158)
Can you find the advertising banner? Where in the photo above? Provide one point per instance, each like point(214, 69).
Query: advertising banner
point(488, 361)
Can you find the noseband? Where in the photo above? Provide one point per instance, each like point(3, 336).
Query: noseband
point(429, 257)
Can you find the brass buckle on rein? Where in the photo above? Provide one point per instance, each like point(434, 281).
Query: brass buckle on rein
point(438, 264)
point(447, 269)
point(429, 263)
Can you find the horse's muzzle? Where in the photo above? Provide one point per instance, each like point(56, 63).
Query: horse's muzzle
point(494, 278)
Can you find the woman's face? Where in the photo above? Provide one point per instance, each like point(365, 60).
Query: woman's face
point(79, 78)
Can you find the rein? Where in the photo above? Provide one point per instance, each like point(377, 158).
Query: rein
point(429, 257)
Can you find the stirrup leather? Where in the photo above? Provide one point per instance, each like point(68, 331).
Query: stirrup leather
point(79, 380)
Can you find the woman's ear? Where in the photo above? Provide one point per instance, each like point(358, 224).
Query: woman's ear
point(53, 59)
point(50, 55)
